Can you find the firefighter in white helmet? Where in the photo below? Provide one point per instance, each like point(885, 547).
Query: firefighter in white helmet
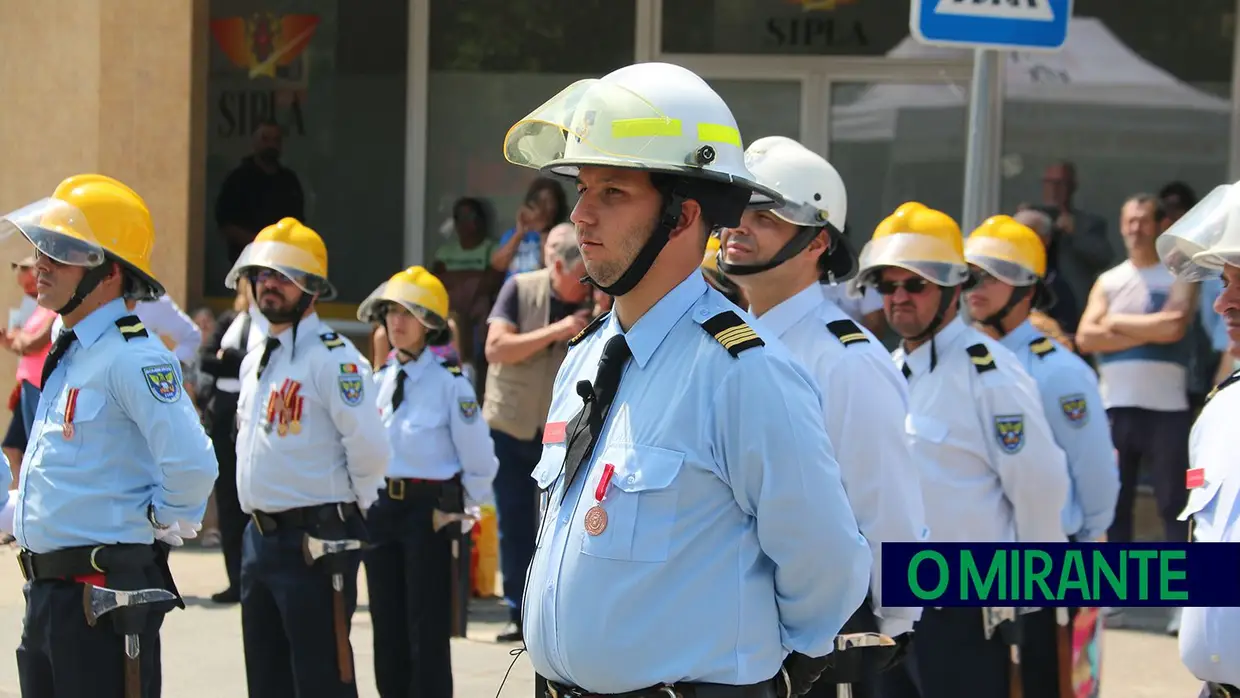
point(1203, 244)
point(684, 456)
point(1006, 481)
point(778, 258)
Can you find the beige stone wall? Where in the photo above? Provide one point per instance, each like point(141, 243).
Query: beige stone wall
point(109, 86)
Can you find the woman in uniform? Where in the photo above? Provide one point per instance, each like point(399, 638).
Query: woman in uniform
point(442, 463)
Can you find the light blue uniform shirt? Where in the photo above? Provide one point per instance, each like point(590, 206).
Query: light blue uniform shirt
point(136, 440)
point(729, 540)
point(1070, 398)
point(438, 430)
point(1210, 637)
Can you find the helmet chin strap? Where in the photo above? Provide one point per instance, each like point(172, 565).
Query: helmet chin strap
point(995, 320)
point(803, 237)
point(90, 280)
point(669, 217)
point(945, 302)
point(281, 317)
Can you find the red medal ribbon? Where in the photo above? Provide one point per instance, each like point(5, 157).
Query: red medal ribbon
point(604, 482)
point(301, 405)
point(70, 411)
point(271, 407)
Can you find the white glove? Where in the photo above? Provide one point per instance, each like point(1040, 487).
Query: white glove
point(474, 512)
point(6, 513)
point(177, 533)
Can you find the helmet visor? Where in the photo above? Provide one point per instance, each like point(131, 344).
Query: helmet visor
point(288, 260)
point(411, 297)
point(929, 257)
point(579, 127)
point(1213, 223)
point(56, 229)
point(1001, 259)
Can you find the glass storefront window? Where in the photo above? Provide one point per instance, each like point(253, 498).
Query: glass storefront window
point(898, 142)
point(491, 63)
point(784, 27)
point(763, 107)
point(332, 74)
point(1135, 101)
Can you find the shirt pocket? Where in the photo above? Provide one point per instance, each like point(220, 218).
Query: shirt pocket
point(546, 475)
point(640, 503)
point(86, 420)
point(1199, 499)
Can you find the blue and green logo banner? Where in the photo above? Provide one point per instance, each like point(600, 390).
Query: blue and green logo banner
point(1061, 574)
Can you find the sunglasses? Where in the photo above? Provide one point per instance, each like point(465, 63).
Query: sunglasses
point(914, 286)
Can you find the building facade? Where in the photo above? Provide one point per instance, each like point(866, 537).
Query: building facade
point(393, 109)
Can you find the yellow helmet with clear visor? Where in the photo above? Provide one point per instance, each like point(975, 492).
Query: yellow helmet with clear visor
point(1206, 238)
point(917, 239)
point(655, 117)
point(292, 249)
point(1007, 250)
point(88, 219)
point(416, 290)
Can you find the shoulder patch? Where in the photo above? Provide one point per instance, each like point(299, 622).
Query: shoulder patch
point(588, 329)
point(1010, 431)
point(732, 332)
point(1042, 346)
point(1075, 409)
point(162, 382)
point(351, 388)
point(1234, 377)
point(469, 410)
point(847, 332)
point(982, 360)
point(332, 340)
point(131, 328)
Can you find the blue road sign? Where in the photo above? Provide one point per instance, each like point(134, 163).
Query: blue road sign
point(1037, 25)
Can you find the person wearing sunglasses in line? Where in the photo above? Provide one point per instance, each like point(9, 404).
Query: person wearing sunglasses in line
point(1005, 482)
point(1008, 261)
point(781, 259)
point(311, 457)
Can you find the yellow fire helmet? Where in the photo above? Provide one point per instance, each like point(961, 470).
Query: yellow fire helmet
point(710, 260)
point(291, 248)
point(415, 289)
point(90, 219)
point(918, 239)
point(1007, 250)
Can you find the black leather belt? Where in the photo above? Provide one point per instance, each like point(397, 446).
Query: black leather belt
point(69, 563)
point(766, 689)
point(1222, 690)
point(302, 517)
point(400, 487)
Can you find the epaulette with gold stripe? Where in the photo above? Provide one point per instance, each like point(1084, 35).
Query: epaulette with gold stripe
point(585, 331)
point(452, 368)
point(131, 328)
point(1042, 346)
point(732, 332)
point(1234, 377)
point(982, 360)
point(332, 340)
point(847, 332)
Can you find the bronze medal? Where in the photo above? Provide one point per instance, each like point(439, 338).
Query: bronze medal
point(596, 520)
point(295, 427)
point(282, 429)
point(67, 430)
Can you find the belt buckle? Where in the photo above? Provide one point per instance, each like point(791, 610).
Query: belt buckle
point(1225, 692)
point(25, 563)
point(258, 523)
point(669, 691)
point(94, 563)
point(396, 492)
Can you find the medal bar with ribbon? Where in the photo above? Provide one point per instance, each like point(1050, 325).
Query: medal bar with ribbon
point(596, 517)
point(282, 427)
point(70, 410)
point(271, 411)
point(290, 406)
point(296, 425)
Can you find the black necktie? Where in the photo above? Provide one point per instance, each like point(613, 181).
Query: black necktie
point(398, 395)
point(585, 428)
point(57, 353)
point(272, 345)
point(908, 372)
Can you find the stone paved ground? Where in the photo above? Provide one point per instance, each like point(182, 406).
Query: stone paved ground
point(203, 658)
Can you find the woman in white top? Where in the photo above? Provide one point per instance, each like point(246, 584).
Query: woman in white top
point(442, 464)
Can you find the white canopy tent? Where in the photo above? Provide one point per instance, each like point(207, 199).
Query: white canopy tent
point(1127, 124)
